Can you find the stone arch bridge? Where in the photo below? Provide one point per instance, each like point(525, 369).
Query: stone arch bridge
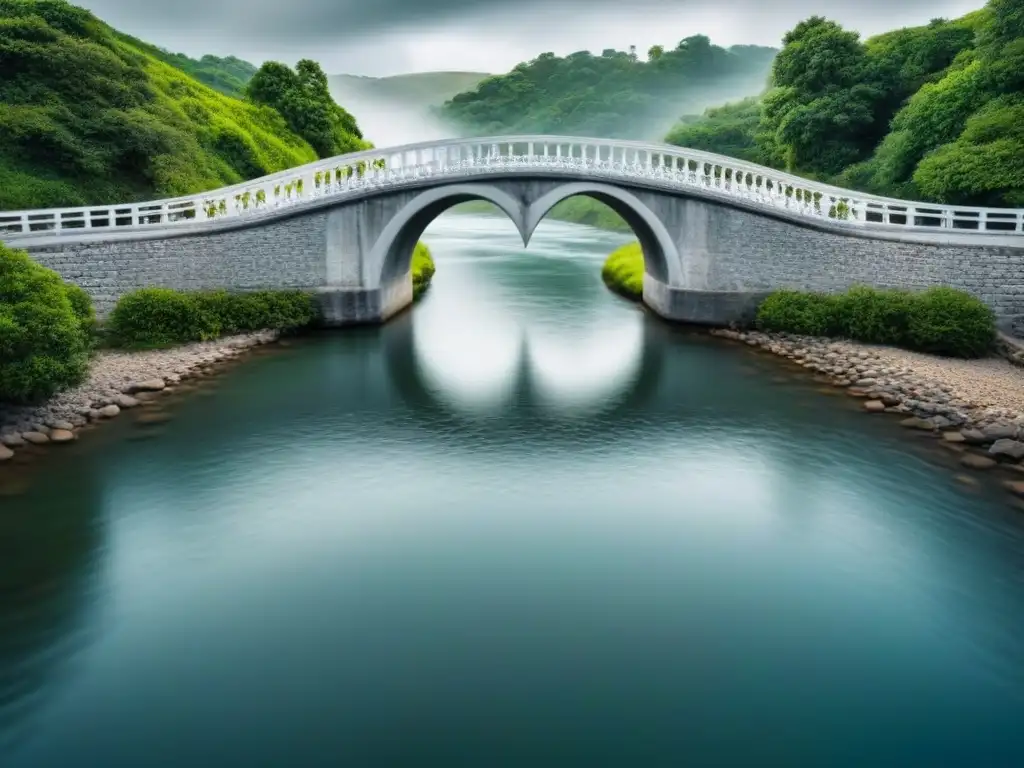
point(717, 233)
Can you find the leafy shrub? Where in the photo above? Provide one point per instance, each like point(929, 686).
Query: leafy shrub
point(874, 316)
point(81, 305)
point(811, 314)
point(422, 270)
point(280, 310)
point(623, 271)
point(161, 317)
point(158, 317)
point(945, 321)
point(940, 321)
point(43, 346)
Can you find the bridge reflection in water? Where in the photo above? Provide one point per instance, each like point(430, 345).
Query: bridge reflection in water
point(475, 366)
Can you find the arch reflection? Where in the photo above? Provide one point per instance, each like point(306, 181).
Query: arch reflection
point(475, 369)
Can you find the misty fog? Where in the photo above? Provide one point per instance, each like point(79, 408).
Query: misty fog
point(388, 120)
point(390, 116)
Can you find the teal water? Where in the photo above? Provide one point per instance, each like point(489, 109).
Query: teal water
point(520, 525)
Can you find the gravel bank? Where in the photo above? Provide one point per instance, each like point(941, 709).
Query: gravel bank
point(117, 381)
point(976, 407)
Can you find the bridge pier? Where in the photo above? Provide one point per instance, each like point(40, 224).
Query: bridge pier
point(361, 306)
point(714, 308)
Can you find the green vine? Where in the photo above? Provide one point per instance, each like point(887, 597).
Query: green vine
point(318, 179)
point(222, 206)
point(298, 187)
point(261, 197)
point(210, 207)
point(840, 210)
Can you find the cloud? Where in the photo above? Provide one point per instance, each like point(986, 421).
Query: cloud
point(390, 36)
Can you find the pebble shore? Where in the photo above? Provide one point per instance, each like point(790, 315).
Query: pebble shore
point(974, 407)
point(118, 381)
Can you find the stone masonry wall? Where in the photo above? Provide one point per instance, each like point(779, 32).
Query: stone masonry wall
point(750, 253)
point(722, 249)
point(289, 253)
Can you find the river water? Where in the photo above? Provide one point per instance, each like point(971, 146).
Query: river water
point(520, 525)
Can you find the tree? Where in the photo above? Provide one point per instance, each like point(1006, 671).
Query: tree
point(820, 114)
point(655, 52)
point(303, 97)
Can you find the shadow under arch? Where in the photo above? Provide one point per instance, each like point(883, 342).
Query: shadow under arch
point(394, 247)
point(406, 371)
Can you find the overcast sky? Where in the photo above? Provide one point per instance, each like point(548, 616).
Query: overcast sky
point(383, 37)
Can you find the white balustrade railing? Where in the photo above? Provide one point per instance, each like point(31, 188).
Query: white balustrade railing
point(663, 165)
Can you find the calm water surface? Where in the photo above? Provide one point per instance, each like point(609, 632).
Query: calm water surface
point(520, 525)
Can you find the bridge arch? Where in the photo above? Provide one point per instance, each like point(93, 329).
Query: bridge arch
point(394, 246)
point(661, 257)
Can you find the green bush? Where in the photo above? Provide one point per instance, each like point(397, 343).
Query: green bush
point(43, 346)
point(81, 305)
point(422, 270)
point(623, 271)
point(945, 321)
point(940, 321)
point(874, 316)
point(810, 314)
point(280, 310)
point(160, 317)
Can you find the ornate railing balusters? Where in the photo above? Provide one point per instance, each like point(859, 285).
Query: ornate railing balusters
point(616, 161)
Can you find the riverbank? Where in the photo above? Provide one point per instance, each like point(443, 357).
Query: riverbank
point(122, 379)
point(975, 407)
point(117, 381)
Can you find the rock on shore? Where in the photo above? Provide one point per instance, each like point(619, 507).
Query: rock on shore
point(117, 380)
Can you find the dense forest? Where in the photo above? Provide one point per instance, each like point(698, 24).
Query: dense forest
point(614, 95)
point(933, 112)
point(89, 117)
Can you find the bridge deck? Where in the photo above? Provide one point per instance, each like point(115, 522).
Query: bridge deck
point(690, 172)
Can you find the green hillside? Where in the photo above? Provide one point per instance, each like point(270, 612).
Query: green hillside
point(89, 117)
point(933, 112)
point(614, 95)
point(228, 74)
point(416, 90)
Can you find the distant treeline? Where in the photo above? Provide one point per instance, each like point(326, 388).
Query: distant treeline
point(615, 94)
